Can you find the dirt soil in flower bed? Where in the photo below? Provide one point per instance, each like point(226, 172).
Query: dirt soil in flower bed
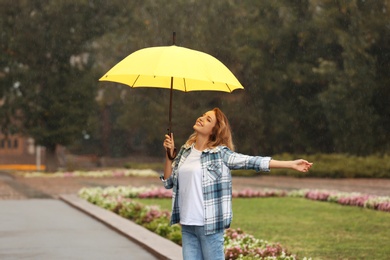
point(17, 187)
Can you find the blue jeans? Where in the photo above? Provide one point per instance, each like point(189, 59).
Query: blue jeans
point(198, 246)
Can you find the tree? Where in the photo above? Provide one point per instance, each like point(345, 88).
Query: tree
point(348, 100)
point(277, 57)
point(312, 80)
point(52, 74)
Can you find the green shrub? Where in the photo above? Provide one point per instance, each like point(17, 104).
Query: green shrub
point(155, 224)
point(131, 210)
point(175, 234)
point(333, 166)
point(143, 166)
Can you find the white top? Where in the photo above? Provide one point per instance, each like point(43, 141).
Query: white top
point(190, 190)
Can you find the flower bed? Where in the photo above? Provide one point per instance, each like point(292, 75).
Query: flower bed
point(249, 193)
point(238, 245)
point(381, 203)
point(95, 174)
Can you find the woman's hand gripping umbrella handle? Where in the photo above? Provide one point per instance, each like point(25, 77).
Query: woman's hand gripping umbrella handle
point(169, 145)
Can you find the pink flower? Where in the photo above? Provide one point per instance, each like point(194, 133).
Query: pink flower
point(156, 193)
point(118, 173)
point(68, 174)
point(317, 195)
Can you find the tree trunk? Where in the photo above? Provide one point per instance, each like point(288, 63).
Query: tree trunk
point(52, 162)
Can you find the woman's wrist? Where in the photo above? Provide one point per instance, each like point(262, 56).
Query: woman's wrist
point(280, 164)
point(171, 154)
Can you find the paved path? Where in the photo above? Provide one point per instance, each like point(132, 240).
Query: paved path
point(51, 229)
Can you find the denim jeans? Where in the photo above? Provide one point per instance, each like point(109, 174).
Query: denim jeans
point(198, 246)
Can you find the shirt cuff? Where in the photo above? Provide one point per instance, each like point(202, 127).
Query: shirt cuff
point(264, 164)
point(162, 178)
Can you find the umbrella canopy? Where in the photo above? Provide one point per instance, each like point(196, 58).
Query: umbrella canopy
point(190, 70)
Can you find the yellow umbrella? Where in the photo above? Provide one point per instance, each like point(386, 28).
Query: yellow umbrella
point(190, 70)
point(173, 67)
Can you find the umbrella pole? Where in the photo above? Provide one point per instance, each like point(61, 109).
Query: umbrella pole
point(170, 108)
point(170, 123)
point(170, 95)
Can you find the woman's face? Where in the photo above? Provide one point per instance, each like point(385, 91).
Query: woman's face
point(204, 125)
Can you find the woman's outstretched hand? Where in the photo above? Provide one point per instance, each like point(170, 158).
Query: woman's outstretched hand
point(169, 144)
point(301, 165)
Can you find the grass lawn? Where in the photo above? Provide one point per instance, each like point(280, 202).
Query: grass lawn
point(320, 230)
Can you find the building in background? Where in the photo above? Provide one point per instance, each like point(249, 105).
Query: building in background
point(20, 153)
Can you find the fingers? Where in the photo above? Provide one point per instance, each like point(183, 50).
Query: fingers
point(306, 166)
point(303, 165)
point(169, 136)
point(168, 142)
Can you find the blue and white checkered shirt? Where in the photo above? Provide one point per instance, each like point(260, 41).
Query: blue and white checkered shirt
point(216, 164)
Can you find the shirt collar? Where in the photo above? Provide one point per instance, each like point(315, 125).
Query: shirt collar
point(208, 150)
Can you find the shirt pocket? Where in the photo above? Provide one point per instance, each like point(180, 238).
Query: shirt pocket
point(214, 171)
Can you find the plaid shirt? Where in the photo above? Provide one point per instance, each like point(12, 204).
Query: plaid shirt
point(216, 164)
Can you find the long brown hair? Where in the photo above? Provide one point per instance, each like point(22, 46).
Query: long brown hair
point(221, 133)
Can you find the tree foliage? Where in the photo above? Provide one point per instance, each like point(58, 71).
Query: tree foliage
point(315, 73)
point(48, 85)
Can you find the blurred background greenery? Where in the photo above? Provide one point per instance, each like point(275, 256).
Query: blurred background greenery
point(315, 72)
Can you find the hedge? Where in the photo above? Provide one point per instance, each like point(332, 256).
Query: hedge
point(333, 166)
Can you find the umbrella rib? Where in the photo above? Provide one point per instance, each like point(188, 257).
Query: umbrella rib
point(135, 80)
point(227, 85)
point(185, 85)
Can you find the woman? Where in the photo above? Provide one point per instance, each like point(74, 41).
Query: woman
point(202, 185)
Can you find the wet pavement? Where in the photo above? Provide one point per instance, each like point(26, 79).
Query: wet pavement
point(51, 229)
